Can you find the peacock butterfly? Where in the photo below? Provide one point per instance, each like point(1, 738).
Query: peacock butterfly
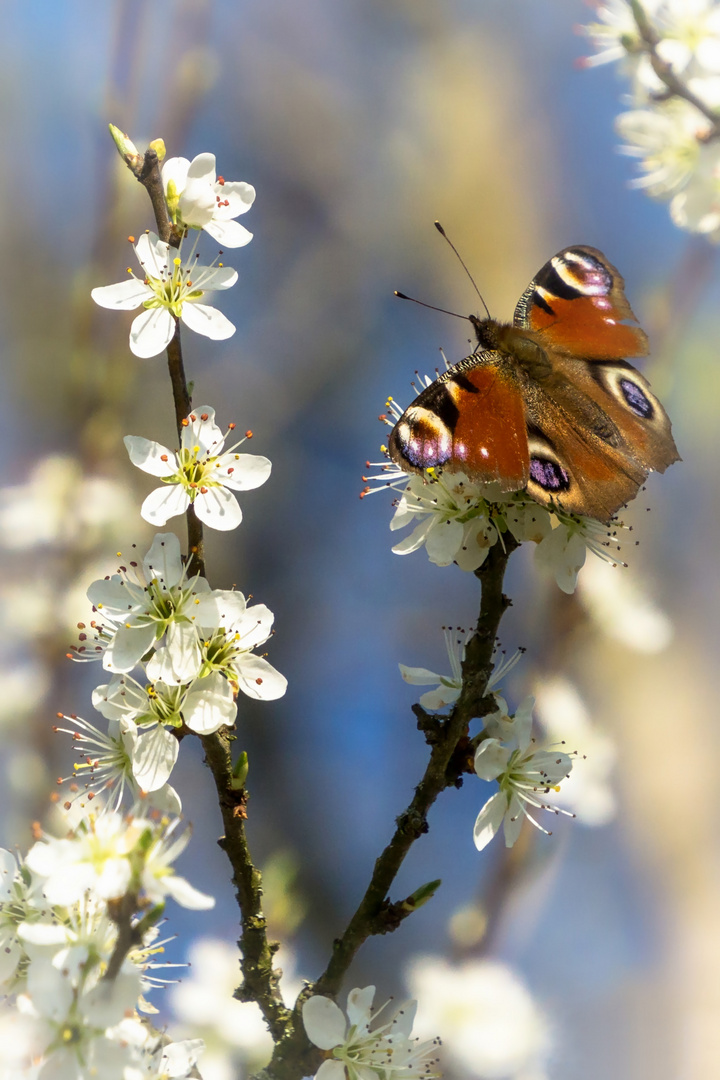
point(548, 404)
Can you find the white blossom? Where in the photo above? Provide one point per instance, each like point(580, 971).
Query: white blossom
point(199, 474)
point(525, 775)
point(199, 199)
point(450, 686)
point(561, 553)
point(229, 650)
point(490, 1026)
point(158, 599)
point(623, 608)
point(359, 1053)
point(170, 290)
point(113, 855)
point(587, 791)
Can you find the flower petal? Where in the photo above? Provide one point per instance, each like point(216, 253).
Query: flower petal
point(151, 457)
point(324, 1022)
point(155, 754)
point(206, 320)
point(129, 644)
point(164, 503)
point(259, 679)
point(242, 472)
point(491, 759)
point(123, 296)
point(151, 332)
point(163, 560)
point(218, 509)
point(359, 1006)
point(489, 820)
point(231, 234)
point(209, 705)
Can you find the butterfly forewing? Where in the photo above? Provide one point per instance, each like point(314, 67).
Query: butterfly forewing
point(578, 302)
point(471, 420)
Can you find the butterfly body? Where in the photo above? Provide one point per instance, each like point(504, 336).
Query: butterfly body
point(548, 403)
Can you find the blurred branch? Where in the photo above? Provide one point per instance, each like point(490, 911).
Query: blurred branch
point(294, 1057)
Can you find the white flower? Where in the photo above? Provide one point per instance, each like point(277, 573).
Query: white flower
point(204, 705)
point(18, 903)
point(690, 31)
point(524, 775)
point(623, 610)
point(196, 198)
point(61, 505)
point(114, 855)
point(199, 473)
point(666, 140)
point(454, 520)
point(229, 650)
point(561, 554)
point(359, 1053)
point(587, 791)
point(170, 290)
point(697, 207)
point(113, 762)
point(450, 686)
point(616, 35)
point(161, 600)
point(489, 1024)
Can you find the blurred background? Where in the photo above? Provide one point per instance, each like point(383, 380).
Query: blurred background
point(595, 951)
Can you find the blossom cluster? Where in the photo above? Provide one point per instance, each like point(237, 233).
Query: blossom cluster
point(193, 648)
point(73, 989)
point(670, 52)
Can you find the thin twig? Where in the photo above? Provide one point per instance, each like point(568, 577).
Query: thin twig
point(294, 1057)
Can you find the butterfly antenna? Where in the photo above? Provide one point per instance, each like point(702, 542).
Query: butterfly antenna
point(402, 296)
point(442, 232)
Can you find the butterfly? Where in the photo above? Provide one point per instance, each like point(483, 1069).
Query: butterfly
point(548, 404)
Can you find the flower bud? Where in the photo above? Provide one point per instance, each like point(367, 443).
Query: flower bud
point(126, 147)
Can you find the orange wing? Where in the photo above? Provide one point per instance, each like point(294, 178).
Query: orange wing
point(471, 420)
point(577, 303)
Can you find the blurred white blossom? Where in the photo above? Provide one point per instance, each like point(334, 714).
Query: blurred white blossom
point(487, 1020)
point(623, 609)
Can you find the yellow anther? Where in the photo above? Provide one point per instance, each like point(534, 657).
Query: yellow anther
point(177, 262)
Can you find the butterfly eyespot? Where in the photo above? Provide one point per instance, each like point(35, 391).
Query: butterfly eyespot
point(636, 399)
point(549, 475)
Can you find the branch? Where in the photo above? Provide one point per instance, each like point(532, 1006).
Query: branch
point(293, 1056)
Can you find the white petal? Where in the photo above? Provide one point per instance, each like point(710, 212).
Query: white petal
point(186, 895)
point(332, 1069)
point(239, 197)
point(418, 676)
point(207, 320)
point(127, 647)
point(359, 1005)
point(159, 667)
point(491, 759)
point(155, 754)
point(151, 332)
point(440, 698)
point(123, 296)
point(153, 254)
point(489, 820)
point(112, 597)
point(231, 234)
point(164, 503)
point(242, 472)
point(8, 872)
point(202, 431)
point(202, 167)
point(209, 705)
point(121, 699)
point(175, 169)
point(163, 560)
point(114, 879)
point(415, 540)
point(259, 679)
point(184, 649)
point(222, 607)
point(218, 509)
point(324, 1022)
point(151, 457)
point(443, 542)
point(253, 627)
point(512, 822)
point(212, 278)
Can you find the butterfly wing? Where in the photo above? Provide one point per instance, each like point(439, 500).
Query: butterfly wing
point(471, 420)
point(578, 303)
point(594, 426)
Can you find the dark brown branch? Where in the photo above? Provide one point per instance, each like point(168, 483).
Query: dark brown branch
point(260, 980)
point(676, 87)
point(294, 1057)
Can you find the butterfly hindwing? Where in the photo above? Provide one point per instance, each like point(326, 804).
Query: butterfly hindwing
point(472, 420)
point(577, 301)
